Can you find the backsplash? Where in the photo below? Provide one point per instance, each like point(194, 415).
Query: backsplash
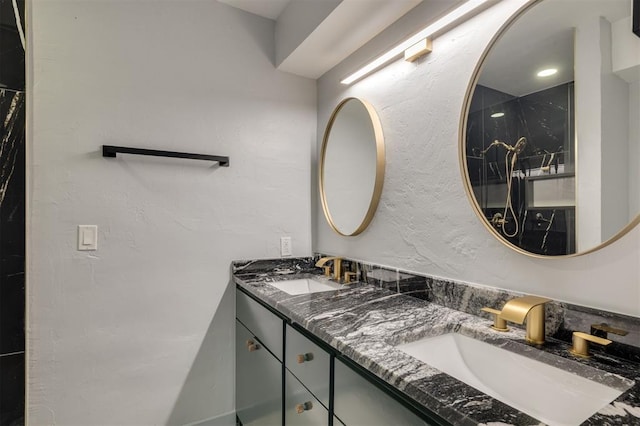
point(455, 295)
point(562, 319)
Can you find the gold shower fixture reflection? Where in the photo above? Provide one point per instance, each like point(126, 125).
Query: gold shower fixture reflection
point(517, 148)
point(510, 165)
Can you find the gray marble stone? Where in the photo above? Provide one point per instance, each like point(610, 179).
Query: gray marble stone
point(365, 322)
point(561, 318)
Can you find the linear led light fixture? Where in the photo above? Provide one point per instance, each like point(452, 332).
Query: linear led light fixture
point(456, 16)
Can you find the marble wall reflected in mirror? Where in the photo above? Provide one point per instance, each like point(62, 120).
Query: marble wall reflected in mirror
point(550, 146)
point(351, 167)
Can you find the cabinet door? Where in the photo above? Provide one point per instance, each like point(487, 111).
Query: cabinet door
point(357, 402)
point(258, 381)
point(309, 363)
point(263, 324)
point(301, 408)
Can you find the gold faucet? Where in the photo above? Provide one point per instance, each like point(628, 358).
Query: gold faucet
point(530, 308)
point(337, 266)
point(581, 343)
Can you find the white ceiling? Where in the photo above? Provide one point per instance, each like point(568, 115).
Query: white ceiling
point(266, 8)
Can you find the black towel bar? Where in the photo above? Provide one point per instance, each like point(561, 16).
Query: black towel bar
point(111, 151)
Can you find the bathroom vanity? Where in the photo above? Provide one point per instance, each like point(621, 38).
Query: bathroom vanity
point(338, 356)
point(273, 354)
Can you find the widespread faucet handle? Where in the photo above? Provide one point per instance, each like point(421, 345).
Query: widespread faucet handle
point(602, 330)
point(350, 277)
point(499, 324)
point(581, 343)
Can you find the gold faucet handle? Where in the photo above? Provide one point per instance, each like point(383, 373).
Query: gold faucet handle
point(499, 324)
point(327, 270)
point(350, 277)
point(581, 343)
point(601, 330)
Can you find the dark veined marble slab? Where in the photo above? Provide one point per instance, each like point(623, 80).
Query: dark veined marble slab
point(365, 322)
point(562, 319)
point(12, 51)
point(12, 225)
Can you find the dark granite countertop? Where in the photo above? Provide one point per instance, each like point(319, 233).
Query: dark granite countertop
point(365, 323)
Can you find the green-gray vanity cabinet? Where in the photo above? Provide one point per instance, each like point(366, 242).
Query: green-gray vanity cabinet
point(358, 402)
point(307, 381)
point(263, 361)
point(259, 348)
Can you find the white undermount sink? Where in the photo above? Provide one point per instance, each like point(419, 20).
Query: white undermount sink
point(547, 393)
point(305, 286)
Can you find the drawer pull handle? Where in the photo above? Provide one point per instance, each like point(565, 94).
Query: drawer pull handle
point(301, 408)
point(252, 346)
point(304, 357)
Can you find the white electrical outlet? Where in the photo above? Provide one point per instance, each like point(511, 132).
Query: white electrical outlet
point(285, 246)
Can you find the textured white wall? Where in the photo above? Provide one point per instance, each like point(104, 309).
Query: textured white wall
point(588, 76)
point(424, 221)
point(141, 331)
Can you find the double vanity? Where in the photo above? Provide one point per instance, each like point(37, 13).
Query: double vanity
point(395, 348)
point(313, 351)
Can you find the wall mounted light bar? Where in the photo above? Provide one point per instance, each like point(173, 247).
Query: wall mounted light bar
point(448, 21)
point(418, 50)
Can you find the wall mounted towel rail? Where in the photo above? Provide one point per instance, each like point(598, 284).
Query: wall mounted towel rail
point(111, 151)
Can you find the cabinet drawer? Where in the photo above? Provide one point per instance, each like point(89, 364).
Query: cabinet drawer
point(309, 363)
point(258, 382)
point(266, 326)
point(358, 402)
point(301, 407)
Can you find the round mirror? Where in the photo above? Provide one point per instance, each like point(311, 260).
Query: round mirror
point(550, 145)
point(351, 166)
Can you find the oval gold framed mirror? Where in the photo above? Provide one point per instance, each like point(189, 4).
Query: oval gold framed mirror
point(550, 136)
point(352, 162)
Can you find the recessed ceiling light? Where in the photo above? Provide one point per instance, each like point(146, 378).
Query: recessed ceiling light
point(497, 115)
point(547, 72)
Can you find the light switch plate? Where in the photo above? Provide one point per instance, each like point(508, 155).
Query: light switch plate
point(87, 237)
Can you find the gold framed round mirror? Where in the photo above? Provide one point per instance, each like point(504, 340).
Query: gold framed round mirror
point(549, 136)
point(351, 169)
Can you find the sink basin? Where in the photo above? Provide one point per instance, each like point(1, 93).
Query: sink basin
point(547, 393)
point(305, 286)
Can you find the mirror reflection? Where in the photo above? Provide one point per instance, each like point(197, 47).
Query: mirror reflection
point(552, 135)
point(351, 166)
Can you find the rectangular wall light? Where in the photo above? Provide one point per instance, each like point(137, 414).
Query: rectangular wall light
point(419, 49)
point(448, 21)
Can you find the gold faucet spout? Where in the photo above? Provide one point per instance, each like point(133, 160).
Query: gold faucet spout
point(530, 308)
point(516, 310)
point(337, 265)
point(321, 262)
